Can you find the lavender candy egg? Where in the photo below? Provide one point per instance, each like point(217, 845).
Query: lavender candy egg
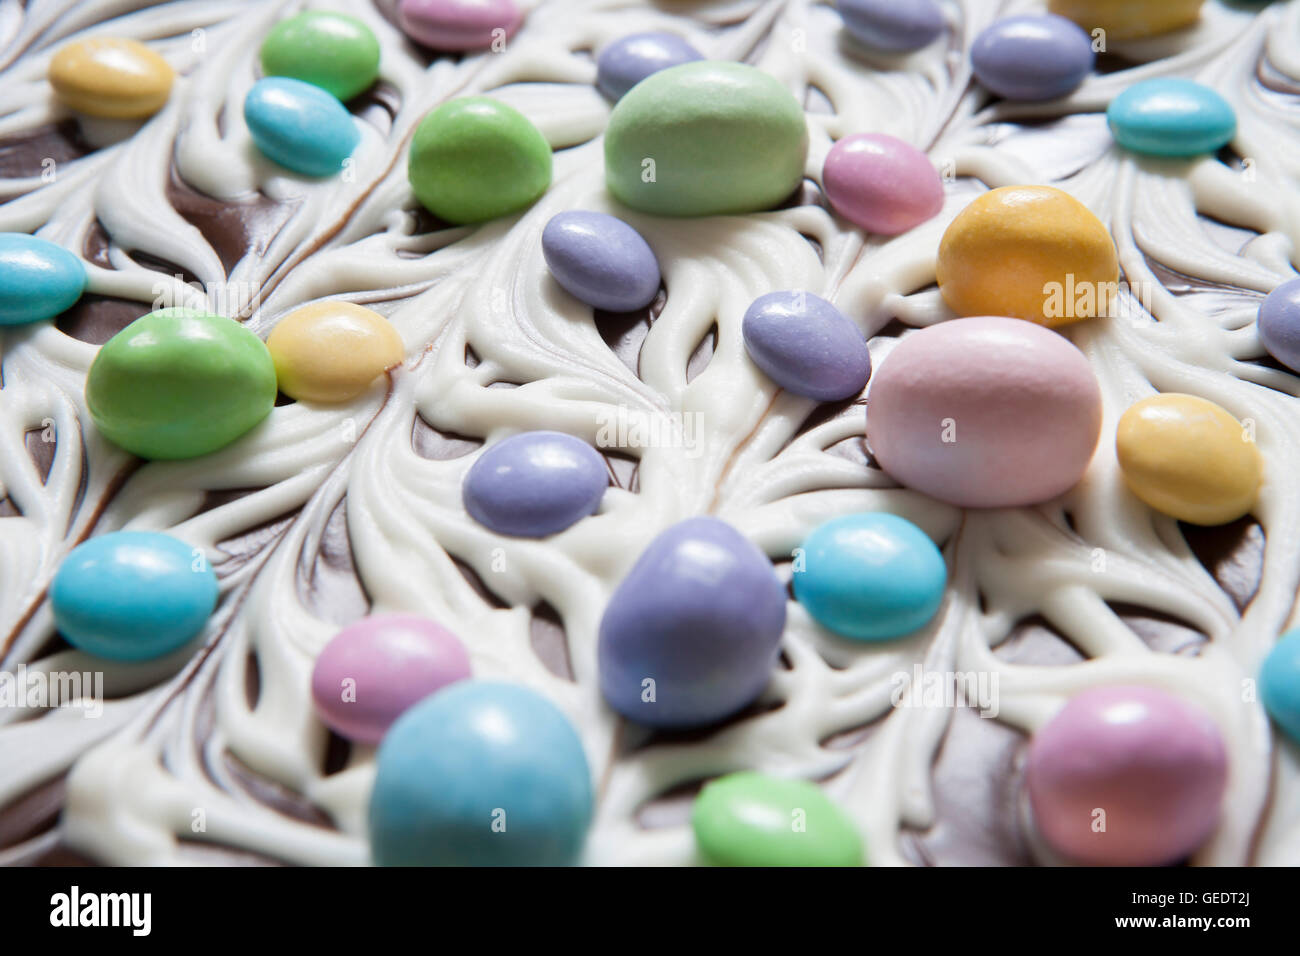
point(1279, 324)
point(535, 484)
point(630, 59)
point(375, 669)
point(691, 635)
point(806, 346)
point(1032, 57)
point(601, 260)
point(892, 26)
point(881, 183)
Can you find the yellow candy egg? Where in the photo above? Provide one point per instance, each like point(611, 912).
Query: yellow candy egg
point(332, 351)
point(1129, 19)
point(1188, 458)
point(112, 77)
point(1029, 252)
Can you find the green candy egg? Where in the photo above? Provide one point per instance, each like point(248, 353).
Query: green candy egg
point(704, 139)
point(751, 819)
point(178, 383)
point(476, 158)
point(338, 53)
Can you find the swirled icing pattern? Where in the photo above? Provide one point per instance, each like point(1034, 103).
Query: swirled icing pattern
point(325, 511)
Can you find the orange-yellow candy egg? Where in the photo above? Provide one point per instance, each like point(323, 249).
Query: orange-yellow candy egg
point(1029, 252)
point(332, 351)
point(1188, 458)
point(1129, 19)
point(112, 77)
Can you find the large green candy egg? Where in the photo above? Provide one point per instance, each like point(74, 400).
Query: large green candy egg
point(704, 139)
point(178, 383)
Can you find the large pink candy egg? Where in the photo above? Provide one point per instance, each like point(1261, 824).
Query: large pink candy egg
point(1127, 776)
point(374, 669)
point(457, 25)
point(881, 183)
point(984, 412)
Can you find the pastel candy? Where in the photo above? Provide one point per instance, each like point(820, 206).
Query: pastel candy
point(1188, 458)
point(178, 383)
point(1129, 19)
point(1029, 252)
point(332, 351)
point(984, 412)
point(113, 77)
point(535, 484)
point(1169, 116)
point(132, 595)
point(630, 59)
point(1279, 684)
point(601, 261)
point(1154, 764)
point(704, 139)
point(1279, 324)
point(338, 53)
point(475, 158)
point(806, 345)
point(752, 819)
point(881, 183)
point(300, 126)
point(38, 279)
point(691, 635)
point(892, 26)
point(456, 25)
point(871, 576)
point(377, 668)
point(1032, 57)
point(480, 773)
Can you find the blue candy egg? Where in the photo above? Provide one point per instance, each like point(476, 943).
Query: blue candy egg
point(1032, 57)
point(1279, 324)
point(601, 261)
point(806, 346)
point(871, 577)
point(1279, 684)
point(630, 59)
point(300, 126)
point(38, 279)
point(1171, 117)
point(132, 595)
point(690, 636)
point(891, 26)
point(535, 484)
point(480, 773)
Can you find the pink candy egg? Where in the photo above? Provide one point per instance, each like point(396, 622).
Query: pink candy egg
point(984, 413)
point(881, 183)
point(374, 669)
point(1127, 776)
point(455, 25)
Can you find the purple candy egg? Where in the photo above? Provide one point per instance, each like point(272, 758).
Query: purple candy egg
point(1127, 776)
point(881, 183)
point(806, 346)
point(1279, 324)
point(690, 636)
point(535, 484)
point(1032, 57)
point(455, 25)
point(601, 260)
point(374, 669)
point(891, 25)
point(630, 59)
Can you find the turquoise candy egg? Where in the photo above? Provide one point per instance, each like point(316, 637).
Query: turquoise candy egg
point(300, 126)
point(1279, 681)
point(1171, 117)
point(480, 773)
point(132, 595)
point(871, 576)
point(38, 279)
